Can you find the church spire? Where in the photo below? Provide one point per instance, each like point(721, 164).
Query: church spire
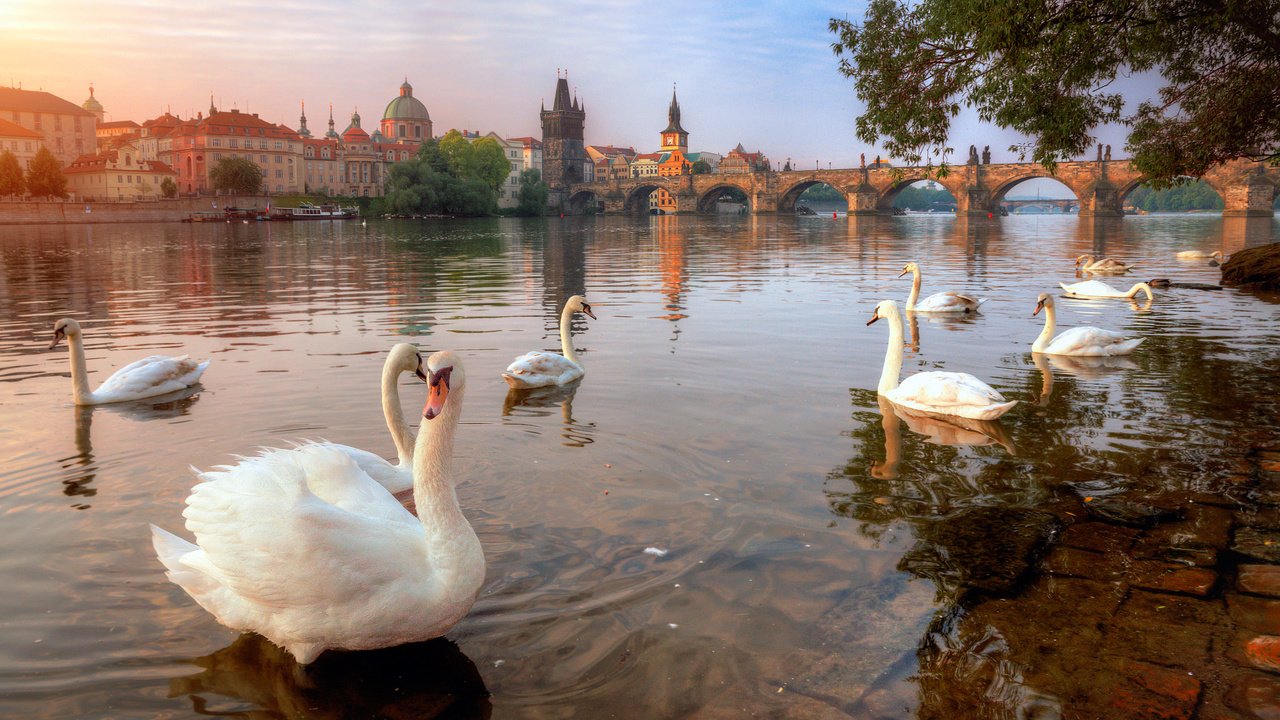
point(302, 122)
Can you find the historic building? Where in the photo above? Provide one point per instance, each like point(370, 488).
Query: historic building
point(406, 119)
point(675, 138)
point(119, 174)
point(739, 160)
point(23, 143)
point(194, 147)
point(564, 155)
point(67, 129)
point(611, 162)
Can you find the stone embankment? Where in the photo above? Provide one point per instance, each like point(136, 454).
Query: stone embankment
point(1256, 268)
point(80, 213)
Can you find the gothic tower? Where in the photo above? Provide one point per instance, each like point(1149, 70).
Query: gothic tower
point(674, 137)
point(563, 152)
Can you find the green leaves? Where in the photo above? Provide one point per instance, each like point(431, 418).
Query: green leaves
point(11, 180)
point(45, 177)
point(238, 175)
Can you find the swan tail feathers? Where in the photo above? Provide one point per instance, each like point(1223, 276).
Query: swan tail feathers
point(1125, 347)
point(171, 550)
point(305, 653)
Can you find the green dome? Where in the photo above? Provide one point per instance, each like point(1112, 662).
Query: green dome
point(406, 106)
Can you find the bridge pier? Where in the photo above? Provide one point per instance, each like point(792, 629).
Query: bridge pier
point(1100, 199)
point(1252, 197)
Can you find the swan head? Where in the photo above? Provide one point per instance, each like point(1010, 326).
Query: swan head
point(444, 375)
point(1160, 282)
point(405, 358)
point(886, 308)
point(66, 327)
point(1082, 258)
point(910, 267)
point(577, 303)
point(1044, 301)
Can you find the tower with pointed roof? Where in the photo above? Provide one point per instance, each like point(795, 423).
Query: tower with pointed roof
point(302, 122)
point(333, 132)
point(564, 154)
point(674, 137)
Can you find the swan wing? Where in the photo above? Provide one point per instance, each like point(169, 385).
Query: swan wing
point(296, 530)
point(1087, 340)
point(395, 478)
point(1092, 288)
point(943, 390)
point(537, 368)
point(948, 302)
point(153, 375)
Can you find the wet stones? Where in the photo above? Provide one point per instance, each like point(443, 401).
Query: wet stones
point(985, 549)
point(1259, 580)
point(1258, 543)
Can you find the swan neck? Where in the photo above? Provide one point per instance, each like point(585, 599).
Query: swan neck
point(433, 491)
point(79, 371)
point(893, 357)
point(1050, 323)
point(1141, 287)
point(394, 414)
point(566, 334)
point(915, 290)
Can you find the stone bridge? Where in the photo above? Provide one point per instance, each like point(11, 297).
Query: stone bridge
point(1247, 188)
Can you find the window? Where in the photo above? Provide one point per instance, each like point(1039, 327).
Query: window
point(417, 131)
point(262, 144)
point(232, 142)
point(279, 173)
point(216, 142)
point(279, 159)
point(57, 123)
point(262, 158)
point(36, 117)
point(400, 130)
point(77, 123)
point(279, 145)
point(119, 178)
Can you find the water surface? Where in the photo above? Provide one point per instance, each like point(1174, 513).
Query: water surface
point(728, 418)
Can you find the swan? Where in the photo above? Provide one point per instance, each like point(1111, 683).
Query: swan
point(395, 478)
point(150, 376)
point(539, 369)
point(1086, 263)
point(1099, 289)
point(1078, 340)
point(940, 393)
point(1199, 255)
point(938, 302)
point(304, 548)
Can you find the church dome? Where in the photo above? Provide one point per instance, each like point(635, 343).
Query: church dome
point(406, 106)
point(95, 107)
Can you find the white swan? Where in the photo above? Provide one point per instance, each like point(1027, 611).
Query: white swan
point(1087, 263)
point(938, 302)
point(940, 393)
point(304, 548)
point(1099, 289)
point(1082, 340)
point(395, 478)
point(148, 377)
point(1199, 255)
point(539, 369)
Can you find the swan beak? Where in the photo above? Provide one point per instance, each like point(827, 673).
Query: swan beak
point(875, 315)
point(57, 338)
point(904, 272)
point(587, 309)
point(1039, 307)
point(418, 371)
point(438, 393)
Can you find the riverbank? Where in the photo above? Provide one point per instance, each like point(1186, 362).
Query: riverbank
point(66, 212)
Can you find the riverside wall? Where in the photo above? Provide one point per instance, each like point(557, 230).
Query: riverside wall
point(57, 212)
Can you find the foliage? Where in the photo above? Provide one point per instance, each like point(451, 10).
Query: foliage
point(1045, 70)
point(915, 197)
point(821, 193)
point(483, 159)
point(1197, 195)
point(169, 188)
point(11, 180)
point(701, 167)
point(236, 174)
point(429, 184)
point(533, 194)
point(45, 177)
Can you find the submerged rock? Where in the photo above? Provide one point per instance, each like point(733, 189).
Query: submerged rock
point(1256, 268)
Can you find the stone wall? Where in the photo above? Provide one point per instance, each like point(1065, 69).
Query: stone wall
point(81, 213)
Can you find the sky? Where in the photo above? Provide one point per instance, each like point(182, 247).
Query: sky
point(756, 72)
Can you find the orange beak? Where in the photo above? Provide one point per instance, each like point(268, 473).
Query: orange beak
point(438, 393)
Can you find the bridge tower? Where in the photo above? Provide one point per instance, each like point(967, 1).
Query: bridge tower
point(563, 151)
point(674, 137)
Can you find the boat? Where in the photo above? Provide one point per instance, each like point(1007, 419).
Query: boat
point(206, 216)
point(307, 211)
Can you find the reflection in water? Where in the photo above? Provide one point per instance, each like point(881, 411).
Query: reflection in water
point(1046, 379)
point(80, 470)
point(1086, 366)
point(533, 402)
point(433, 679)
point(955, 431)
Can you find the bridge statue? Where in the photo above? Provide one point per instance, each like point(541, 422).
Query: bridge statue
point(862, 160)
point(973, 155)
point(986, 154)
point(1108, 155)
point(1099, 152)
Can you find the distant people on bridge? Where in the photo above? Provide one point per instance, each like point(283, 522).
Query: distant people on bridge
point(986, 154)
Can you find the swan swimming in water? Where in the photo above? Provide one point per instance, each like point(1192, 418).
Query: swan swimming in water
point(943, 302)
point(1086, 263)
point(304, 548)
point(1096, 289)
point(940, 393)
point(539, 369)
point(1083, 340)
point(395, 478)
point(148, 377)
point(1199, 255)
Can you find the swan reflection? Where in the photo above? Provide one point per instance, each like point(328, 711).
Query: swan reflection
point(954, 431)
point(420, 680)
point(535, 402)
point(1091, 367)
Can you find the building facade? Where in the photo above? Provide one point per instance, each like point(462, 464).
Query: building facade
point(406, 119)
point(119, 174)
point(67, 129)
point(739, 160)
point(23, 143)
point(194, 147)
point(564, 155)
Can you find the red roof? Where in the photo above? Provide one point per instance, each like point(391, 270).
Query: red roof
point(118, 124)
point(355, 134)
point(611, 150)
point(38, 101)
point(10, 129)
point(96, 163)
point(649, 156)
point(529, 142)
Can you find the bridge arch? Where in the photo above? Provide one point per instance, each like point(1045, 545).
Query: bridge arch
point(885, 200)
point(708, 198)
point(637, 202)
point(787, 198)
point(999, 192)
point(585, 202)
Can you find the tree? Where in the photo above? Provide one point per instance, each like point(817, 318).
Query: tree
point(11, 180)
point(1046, 70)
point(701, 167)
point(237, 175)
point(168, 188)
point(45, 177)
point(533, 194)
